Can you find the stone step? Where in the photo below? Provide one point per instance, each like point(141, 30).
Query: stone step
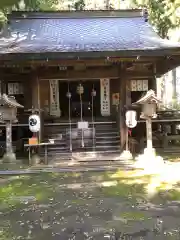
point(102, 126)
point(110, 133)
point(99, 137)
point(110, 147)
point(98, 158)
point(105, 141)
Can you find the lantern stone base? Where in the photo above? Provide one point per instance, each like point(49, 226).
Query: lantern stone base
point(126, 155)
point(150, 152)
point(9, 157)
point(35, 160)
point(149, 161)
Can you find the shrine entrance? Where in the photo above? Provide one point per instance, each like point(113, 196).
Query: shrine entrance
point(79, 100)
point(80, 104)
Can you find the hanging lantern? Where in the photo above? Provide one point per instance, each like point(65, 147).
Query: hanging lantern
point(80, 89)
point(68, 94)
point(131, 121)
point(93, 93)
point(34, 123)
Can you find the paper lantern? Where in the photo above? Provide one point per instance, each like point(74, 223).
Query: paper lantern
point(131, 121)
point(34, 123)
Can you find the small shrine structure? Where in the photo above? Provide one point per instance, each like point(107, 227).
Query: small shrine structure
point(8, 115)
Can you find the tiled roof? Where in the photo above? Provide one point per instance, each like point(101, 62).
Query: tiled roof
point(11, 101)
point(84, 34)
point(150, 96)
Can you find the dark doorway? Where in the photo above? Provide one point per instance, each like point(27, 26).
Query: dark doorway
point(90, 106)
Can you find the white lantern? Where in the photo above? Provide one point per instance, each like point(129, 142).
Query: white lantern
point(34, 123)
point(131, 121)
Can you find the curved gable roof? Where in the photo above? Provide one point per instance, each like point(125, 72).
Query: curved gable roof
point(79, 32)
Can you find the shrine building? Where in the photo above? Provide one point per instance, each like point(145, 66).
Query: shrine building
point(83, 66)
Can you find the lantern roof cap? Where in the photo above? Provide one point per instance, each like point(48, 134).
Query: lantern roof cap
point(149, 97)
point(10, 101)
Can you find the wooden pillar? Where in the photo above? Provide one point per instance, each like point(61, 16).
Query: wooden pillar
point(154, 81)
point(36, 100)
point(149, 134)
point(122, 107)
point(125, 100)
point(128, 103)
point(27, 87)
point(35, 91)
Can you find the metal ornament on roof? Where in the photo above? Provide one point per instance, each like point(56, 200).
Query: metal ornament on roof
point(80, 89)
point(68, 95)
point(93, 93)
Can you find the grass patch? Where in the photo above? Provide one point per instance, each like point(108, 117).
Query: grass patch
point(134, 216)
point(38, 186)
point(13, 166)
point(124, 190)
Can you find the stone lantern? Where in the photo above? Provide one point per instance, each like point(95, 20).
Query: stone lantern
point(148, 105)
point(8, 115)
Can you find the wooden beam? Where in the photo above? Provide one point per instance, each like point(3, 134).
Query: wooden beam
point(101, 72)
point(167, 64)
point(88, 73)
point(88, 62)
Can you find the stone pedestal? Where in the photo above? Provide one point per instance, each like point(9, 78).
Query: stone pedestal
point(150, 152)
point(9, 157)
point(126, 155)
point(35, 160)
point(149, 161)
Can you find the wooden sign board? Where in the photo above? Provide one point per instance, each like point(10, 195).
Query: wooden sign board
point(139, 85)
point(15, 88)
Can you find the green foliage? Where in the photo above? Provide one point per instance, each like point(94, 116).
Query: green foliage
point(164, 14)
point(29, 4)
point(7, 6)
point(79, 5)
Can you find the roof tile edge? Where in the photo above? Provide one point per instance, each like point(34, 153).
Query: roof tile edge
point(76, 14)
